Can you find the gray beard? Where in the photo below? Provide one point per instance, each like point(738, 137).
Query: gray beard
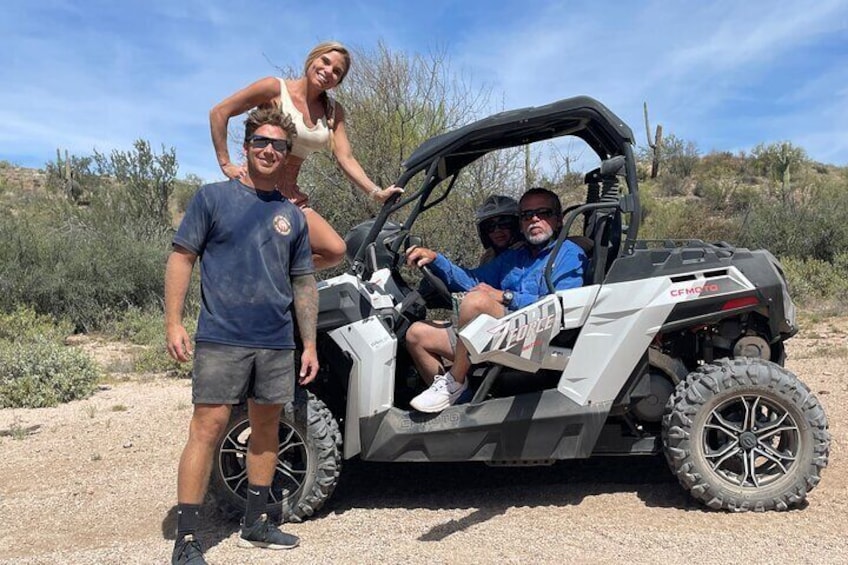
point(538, 240)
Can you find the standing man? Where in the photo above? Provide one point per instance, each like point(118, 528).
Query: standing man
point(256, 267)
point(512, 280)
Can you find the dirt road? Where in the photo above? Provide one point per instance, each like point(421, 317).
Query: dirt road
point(94, 482)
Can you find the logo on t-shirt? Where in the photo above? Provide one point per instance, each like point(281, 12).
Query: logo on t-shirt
point(282, 225)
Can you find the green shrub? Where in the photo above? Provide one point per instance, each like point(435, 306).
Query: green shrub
point(41, 373)
point(727, 194)
point(144, 182)
point(147, 328)
point(24, 325)
point(155, 359)
point(78, 268)
point(184, 190)
point(88, 264)
point(809, 222)
point(813, 280)
point(685, 219)
point(672, 185)
point(138, 326)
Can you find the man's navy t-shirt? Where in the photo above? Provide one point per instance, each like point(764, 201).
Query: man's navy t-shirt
point(250, 244)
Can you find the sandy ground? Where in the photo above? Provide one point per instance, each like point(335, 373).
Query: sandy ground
point(94, 482)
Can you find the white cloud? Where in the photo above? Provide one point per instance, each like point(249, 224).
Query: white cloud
point(691, 62)
point(724, 74)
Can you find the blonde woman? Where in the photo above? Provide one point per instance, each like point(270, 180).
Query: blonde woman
point(320, 123)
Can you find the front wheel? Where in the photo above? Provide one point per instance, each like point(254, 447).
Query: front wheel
point(745, 434)
point(308, 462)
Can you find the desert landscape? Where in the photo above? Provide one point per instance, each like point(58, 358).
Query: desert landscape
point(93, 481)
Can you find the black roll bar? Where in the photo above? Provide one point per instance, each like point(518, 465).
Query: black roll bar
point(573, 212)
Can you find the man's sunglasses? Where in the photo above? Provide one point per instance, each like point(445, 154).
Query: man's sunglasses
point(504, 224)
point(261, 142)
point(541, 213)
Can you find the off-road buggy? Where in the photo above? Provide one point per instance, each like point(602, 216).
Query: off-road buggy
point(671, 346)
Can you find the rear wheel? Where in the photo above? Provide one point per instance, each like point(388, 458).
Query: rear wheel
point(308, 462)
point(745, 434)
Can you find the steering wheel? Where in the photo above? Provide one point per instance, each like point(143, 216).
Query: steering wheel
point(435, 282)
point(438, 284)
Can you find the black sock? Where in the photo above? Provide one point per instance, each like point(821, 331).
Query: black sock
point(188, 517)
point(257, 499)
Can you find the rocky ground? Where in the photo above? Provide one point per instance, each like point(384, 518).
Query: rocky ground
point(93, 481)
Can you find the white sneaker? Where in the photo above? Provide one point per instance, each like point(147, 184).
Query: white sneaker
point(444, 392)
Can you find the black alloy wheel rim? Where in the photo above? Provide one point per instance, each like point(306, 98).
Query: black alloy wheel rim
point(750, 441)
point(291, 469)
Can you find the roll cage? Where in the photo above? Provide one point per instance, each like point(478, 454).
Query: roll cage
point(444, 156)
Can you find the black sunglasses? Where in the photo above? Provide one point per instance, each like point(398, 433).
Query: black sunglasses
point(503, 224)
point(260, 142)
point(541, 213)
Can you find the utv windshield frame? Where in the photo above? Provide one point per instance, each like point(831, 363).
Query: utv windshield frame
point(444, 156)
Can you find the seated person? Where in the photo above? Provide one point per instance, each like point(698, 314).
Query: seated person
point(512, 280)
point(497, 226)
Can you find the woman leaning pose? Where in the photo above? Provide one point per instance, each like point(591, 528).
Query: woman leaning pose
point(320, 123)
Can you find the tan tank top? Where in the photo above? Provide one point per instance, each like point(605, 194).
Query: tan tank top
point(308, 140)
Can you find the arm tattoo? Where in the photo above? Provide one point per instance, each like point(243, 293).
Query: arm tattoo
point(305, 292)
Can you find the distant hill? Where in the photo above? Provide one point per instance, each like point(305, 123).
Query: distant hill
point(17, 178)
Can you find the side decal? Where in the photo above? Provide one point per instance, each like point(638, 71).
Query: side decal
point(525, 334)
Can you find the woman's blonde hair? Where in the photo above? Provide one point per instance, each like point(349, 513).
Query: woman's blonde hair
point(327, 47)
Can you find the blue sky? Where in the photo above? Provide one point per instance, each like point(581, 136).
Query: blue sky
point(726, 75)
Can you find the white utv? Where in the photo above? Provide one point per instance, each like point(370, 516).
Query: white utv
point(672, 346)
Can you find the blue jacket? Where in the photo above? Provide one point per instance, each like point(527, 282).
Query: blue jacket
point(516, 270)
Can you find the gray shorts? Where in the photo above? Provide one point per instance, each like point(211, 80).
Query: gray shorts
point(452, 336)
point(229, 374)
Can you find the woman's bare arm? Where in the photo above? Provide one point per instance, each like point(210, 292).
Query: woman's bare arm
point(261, 92)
